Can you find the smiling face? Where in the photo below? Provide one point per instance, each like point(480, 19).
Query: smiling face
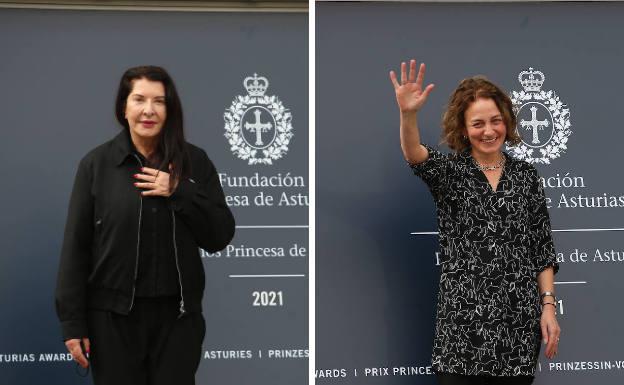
point(146, 111)
point(485, 129)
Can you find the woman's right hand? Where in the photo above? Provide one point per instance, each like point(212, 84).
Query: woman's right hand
point(409, 93)
point(75, 349)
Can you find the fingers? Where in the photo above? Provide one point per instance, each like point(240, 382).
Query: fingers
point(145, 177)
point(550, 347)
point(553, 339)
point(146, 185)
point(550, 337)
point(73, 346)
point(151, 176)
point(394, 81)
point(87, 345)
point(403, 73)
point(81, 359)
point(152, 189)
point(156, 192)
point(155, 182)
point(421, 74)
point(427, 90)
point(412, 71)
point(150, 171)
point(411, 77)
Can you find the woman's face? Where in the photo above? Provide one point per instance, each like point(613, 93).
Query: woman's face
point(485, 127)
point(145, 109)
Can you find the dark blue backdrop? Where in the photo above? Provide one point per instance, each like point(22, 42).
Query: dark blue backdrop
point(377, 282)
point(58, 75)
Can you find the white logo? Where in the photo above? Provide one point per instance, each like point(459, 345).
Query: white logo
point(543, 120)
point(258, 127)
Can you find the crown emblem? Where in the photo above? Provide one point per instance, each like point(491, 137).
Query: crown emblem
point(531, 80)
point(256, 86)
point(258, 127)
point(543, 120)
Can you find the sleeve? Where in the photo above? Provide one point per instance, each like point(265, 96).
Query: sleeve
point(71, 285)
point(433, 171)
point(200, 203)
point(542, 245)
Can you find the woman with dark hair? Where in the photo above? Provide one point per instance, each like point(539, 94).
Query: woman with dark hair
point(496, 297)
point(131, 280)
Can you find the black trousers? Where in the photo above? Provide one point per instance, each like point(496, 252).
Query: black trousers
point(459, 379)
point(149, 346)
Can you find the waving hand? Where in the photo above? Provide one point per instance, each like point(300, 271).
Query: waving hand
point(410, 97)
point(409, 92)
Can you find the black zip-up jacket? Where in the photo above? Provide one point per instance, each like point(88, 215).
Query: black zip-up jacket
point(99, 257)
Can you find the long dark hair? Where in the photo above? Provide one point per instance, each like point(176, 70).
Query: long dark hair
point(171, 148)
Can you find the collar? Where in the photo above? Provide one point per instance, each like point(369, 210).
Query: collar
point(123, 147)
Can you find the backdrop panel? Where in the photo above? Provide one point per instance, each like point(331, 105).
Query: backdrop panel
point(59, 73)
point(376, 244)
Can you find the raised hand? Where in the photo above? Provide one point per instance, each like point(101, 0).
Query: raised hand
point(410, 94)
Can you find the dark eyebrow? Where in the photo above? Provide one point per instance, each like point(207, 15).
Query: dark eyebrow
point(142, 96)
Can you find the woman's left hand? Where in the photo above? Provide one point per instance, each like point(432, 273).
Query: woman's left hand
point(550, 330)
point(154, 182)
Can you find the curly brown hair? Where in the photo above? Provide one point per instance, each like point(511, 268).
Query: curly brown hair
point(468, 91)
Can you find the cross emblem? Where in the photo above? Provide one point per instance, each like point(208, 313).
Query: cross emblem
point(258, 127)
point(534, 125)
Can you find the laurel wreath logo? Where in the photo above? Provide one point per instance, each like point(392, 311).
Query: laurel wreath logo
point(557, 145)
point(283, 129)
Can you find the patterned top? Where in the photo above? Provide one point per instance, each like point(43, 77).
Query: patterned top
point(493, 244)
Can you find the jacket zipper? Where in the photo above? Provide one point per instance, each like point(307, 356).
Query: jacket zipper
point(136, 264)
point(175, 253)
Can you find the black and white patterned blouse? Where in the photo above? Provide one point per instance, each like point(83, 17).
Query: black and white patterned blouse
point(493, 244)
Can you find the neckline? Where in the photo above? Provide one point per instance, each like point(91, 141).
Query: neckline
point(481, 174)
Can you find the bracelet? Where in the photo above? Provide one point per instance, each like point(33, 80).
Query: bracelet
point(550, 303)
point(548, 294)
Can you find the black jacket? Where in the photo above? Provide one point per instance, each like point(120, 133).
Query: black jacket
point(99, 257)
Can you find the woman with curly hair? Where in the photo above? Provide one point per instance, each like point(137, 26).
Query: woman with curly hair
point(496, 297)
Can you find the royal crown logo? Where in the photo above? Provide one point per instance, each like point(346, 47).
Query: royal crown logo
point(256, 86)
point(531, 80)
point(258, 127)
point(543, 120)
